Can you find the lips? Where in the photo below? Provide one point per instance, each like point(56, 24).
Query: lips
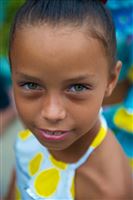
point(53, 134)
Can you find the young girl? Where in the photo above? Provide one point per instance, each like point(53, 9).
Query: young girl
point(62, 56)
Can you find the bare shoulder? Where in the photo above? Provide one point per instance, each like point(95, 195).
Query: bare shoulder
point(106, 174)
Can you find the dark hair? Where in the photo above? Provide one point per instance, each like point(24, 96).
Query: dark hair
point(91, 13)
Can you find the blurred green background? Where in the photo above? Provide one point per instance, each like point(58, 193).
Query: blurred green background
point(7, 11)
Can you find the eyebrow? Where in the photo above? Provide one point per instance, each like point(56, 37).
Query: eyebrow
point(90, 77)
point(28, 77)
point(73, 79)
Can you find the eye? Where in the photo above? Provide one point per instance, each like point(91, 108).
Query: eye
point(78, 88)
point(31, 86)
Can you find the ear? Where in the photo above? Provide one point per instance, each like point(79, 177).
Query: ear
point(113, 78)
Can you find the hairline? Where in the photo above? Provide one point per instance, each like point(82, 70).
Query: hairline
point(89, 30)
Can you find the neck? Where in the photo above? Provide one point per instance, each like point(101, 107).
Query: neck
point(78, 149)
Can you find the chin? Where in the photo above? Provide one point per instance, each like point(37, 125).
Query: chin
point(55, 147)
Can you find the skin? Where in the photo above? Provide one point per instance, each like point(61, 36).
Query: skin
point(60, 84)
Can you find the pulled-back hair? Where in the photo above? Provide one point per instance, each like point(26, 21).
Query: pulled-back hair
point(91, 13)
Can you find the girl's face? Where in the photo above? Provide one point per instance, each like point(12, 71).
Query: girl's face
point(60, 78)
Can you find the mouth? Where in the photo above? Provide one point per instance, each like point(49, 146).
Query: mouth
point(53, 134)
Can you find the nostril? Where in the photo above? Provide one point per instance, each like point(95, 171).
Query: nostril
point(53, 108)
point(53, 114)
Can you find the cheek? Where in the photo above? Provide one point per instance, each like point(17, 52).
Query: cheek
point(26, 111)
point(89, 107)
point(87, 113)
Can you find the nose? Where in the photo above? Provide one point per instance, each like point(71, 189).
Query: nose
point(53, 109)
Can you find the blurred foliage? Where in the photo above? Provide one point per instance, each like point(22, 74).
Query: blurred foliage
point(8, 8)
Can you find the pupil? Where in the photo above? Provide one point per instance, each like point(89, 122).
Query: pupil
point(78, 87)
point(32, 85)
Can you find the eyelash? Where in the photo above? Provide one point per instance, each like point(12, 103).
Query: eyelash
point(83, 88)
point(25, 85)
point(71, 89)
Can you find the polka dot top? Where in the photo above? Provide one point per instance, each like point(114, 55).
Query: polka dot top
point(40, 176)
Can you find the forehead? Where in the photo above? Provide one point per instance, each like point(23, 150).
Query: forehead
point(56, 46)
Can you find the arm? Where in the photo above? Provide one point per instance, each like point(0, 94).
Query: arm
point(106, 174)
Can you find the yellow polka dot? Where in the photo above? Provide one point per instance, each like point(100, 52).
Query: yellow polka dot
point(58, 164)
point(17, 194)
point(73, 189)
point(35, 163)
point(131, 162)
point(47, 182)
point(130, 74)
point(23, 135)
point(124, 120)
